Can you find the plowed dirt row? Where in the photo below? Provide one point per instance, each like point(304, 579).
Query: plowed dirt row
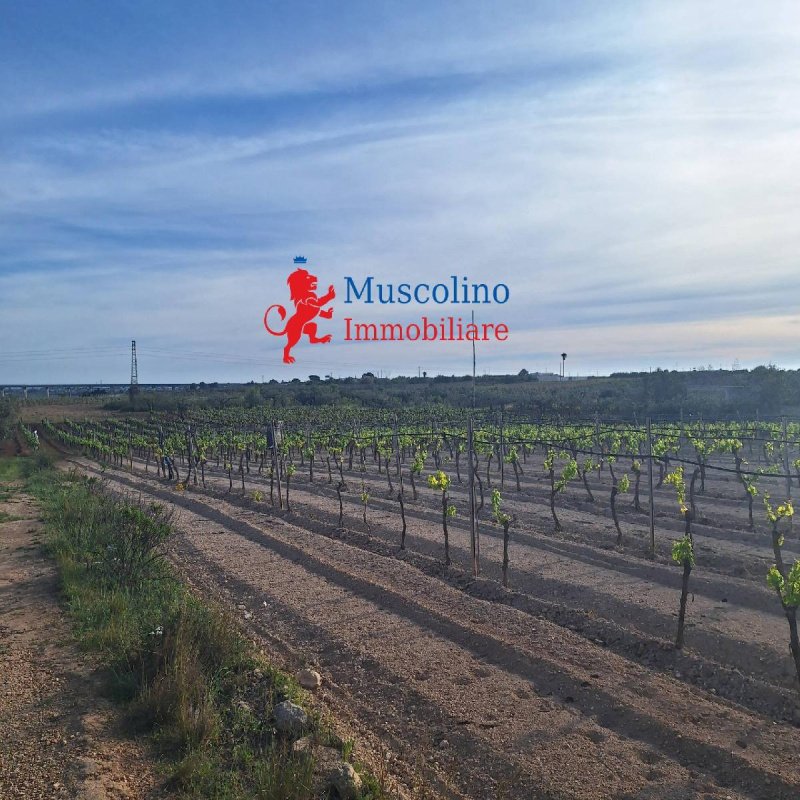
point(525, 708)
point(737, 638)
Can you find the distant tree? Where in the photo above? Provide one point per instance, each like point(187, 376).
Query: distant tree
point(252, 397)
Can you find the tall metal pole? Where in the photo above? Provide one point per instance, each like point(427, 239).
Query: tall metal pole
point(650, 489)
point(473, 361)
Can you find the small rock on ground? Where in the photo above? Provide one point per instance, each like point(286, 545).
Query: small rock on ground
point(309, 679)
point(346, 781)
point(290, 718)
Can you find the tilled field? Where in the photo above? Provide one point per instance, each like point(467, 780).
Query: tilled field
point(565, 686)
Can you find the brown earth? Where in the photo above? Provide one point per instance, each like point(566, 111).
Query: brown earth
point(8, 448)
point(580, 579)
point(566, 687)
point(58, 737)
point(57, 411)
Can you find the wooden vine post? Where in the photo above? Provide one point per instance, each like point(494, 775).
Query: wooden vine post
point(473, 527)
point(650, 489)
point(786, 471)
point(502, 454)
point(276, 466)
point(400, 497)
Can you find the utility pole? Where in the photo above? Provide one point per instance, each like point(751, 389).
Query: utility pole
point(134, 386)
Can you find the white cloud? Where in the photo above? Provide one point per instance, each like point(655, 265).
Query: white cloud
point(640, 199)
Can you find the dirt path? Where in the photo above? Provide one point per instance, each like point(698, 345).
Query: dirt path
point(57, 737)
point(494, 702)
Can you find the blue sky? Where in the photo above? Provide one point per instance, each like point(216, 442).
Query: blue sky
point(630, 170)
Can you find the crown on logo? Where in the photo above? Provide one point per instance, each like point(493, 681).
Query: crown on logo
point(300, 259)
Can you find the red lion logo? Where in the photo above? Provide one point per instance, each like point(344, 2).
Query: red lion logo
point(303, 293)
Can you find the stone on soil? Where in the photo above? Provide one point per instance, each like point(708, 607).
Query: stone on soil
point(290, 719)
point(346, 781)
point(309, 679)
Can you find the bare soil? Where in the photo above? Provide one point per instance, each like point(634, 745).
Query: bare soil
point(566, 686)
point(58, 737)
point(57, 411)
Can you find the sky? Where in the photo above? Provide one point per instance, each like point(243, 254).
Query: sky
point(630, 170)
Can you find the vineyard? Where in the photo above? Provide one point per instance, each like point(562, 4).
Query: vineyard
point(669, 546)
